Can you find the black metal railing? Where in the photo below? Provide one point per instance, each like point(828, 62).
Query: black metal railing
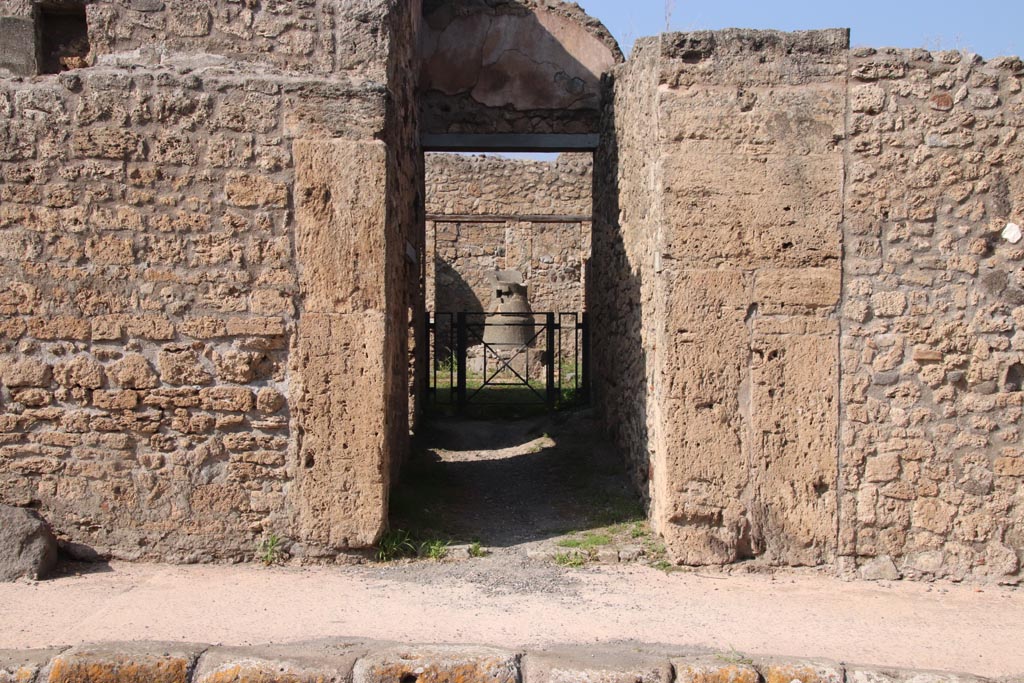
point(547, 367)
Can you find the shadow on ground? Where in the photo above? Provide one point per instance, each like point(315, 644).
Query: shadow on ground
point(508, 482)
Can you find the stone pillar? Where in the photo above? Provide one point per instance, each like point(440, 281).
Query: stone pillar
point(341, 369)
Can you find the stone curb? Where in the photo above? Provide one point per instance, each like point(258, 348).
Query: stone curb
point(360, 661)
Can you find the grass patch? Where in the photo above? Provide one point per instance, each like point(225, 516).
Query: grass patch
point(476, 550)
point(588, 542)
point(434, 549)
point(573, 560)
point(394, 545)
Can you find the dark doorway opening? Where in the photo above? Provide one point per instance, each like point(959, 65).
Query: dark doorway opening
point(63, 31)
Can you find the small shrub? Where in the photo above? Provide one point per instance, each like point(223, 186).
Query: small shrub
point(434, 549)
point(269, 550)
point(476, 550)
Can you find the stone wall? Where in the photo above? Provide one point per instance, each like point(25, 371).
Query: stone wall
point(551, 255)
point(729, 272)
point(808, 250)
point(176, 364)
point(624, 313)
point(932, 463)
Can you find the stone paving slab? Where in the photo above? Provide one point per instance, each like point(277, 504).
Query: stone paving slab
point(355, 661)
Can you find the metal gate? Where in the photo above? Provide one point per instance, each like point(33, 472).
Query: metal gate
point(549, 371)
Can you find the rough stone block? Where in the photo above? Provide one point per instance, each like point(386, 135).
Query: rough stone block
point(23, 666)
point(82, 371)
point(180, 365)
point(339, 222)
point(706, 669)
point(315, 662)
point(227, 398)
point(28, 372)
point(254, 191)
point(18, 49)
point(812, 287)
point(438, 664)
point(28, 548)
point(145, 662)
point(603, 665)
point(133, 372)
point(797, 671)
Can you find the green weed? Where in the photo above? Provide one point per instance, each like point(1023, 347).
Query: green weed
point(270, 549)
point(574, 560)
point(395, 544)
point(434, 549)
point(588, 542)
point(476, 550)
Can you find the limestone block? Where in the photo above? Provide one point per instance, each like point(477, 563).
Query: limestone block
point(203, 327)
point(27, 372)
point(787, 214)
point(106, 142)
point(869, 99)
point(59, 327)
point(180, 365)
point(605, 665)
point(257, 326)
point(316, 662)
point(22, 666)
point(340, 225)
point(794, 397)
point(269, 401)
point(235, 366)
point(125, 663)
point(879, 569)
point(226, 398)
point(869, 675)
point(741, 117)
point(115, 400)
point(889, 304)
point(255, 191)
point(714, 670)
point(28, 548)
point(438, 664)
point(813, 287)
point(133, 372)
point(701, 467)
point(338, 397)
point(82, 371)
point(797, 671)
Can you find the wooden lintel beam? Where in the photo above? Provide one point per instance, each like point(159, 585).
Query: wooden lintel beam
point(509, 142)
point(505, 218)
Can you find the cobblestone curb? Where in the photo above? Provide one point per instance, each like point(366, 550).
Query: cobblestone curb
point(357, 661)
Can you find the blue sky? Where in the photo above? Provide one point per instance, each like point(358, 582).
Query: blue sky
point(989, 27)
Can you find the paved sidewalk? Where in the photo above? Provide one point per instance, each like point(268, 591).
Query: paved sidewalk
point(911, 625)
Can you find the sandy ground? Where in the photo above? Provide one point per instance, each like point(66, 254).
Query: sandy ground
point(516, 487)
point(936, 626)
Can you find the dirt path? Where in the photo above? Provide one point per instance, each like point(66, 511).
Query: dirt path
point(513, 484)
point(902, 624)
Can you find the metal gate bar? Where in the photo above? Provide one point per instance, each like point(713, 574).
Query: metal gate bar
point(561, 345)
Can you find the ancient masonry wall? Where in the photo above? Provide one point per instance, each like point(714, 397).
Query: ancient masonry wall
point(623, 311)
point(828, 307)
point(932, 463)
point(174, 350)
point(552, 256)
